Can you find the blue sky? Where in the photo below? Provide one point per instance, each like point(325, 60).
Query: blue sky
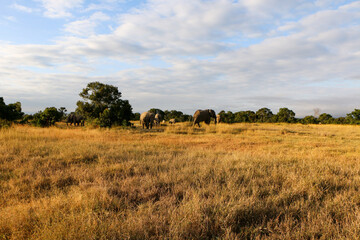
point(184, 54)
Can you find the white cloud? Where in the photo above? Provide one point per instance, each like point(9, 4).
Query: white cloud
point(86, 27)
point(60, 8)
point(10, 18)
point(22, 8)
point(109, 5)
point(303, 64)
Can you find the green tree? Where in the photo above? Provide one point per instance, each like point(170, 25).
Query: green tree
point(63, 111)
point(157, 111)
point(251, 115)
point(136, 116)
point(325, 118)
point(264, 115)
point(48, 117)
point(353, 117)
point(309, 120)
point(105, 118)
point(103, 102)
point(285, 115)
point(188, 118)
point(222, 114)
point(10, 112)
point(341, 120)
point(178, 115)
point(227, 117)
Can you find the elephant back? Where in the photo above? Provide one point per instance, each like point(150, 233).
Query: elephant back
point(147, 116)
point(202, 114)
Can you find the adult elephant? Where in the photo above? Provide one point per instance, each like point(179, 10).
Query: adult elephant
point(158, 119)
point(218, 118)
point(147, 119)
point(75, 119)
point(204, 116)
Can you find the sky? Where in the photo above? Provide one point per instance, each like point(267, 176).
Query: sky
point(184, 54)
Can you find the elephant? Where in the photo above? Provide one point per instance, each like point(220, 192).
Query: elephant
point(76, 119)
point(218, 118)
point(204, 116)
point(172, 121)
point(158, 119)
point(147, 119)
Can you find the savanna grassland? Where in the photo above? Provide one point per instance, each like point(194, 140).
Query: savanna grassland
point(240, 181)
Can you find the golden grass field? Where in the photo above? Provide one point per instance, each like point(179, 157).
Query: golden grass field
point(240, 181)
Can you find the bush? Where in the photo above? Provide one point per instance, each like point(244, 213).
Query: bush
point(5, 123)
point(48, 117)
point(309, 120)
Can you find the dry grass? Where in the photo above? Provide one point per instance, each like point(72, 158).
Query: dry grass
point(241, 181)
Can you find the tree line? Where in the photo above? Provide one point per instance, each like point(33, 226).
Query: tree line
point(285, 115)
point(102, 105)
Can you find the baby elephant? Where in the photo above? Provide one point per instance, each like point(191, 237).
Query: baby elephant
point(172, 121)
point(158, 119)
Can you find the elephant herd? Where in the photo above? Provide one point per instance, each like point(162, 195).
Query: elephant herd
point(148, 119)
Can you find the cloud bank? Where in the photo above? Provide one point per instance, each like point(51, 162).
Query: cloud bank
point(185, 55)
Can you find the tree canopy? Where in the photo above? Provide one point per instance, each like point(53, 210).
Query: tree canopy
point(103, 103)
point(325, 118)
point(285, 115)
point(264, 115)
point(157, 111)
point(11, 111)
point(48, 117)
